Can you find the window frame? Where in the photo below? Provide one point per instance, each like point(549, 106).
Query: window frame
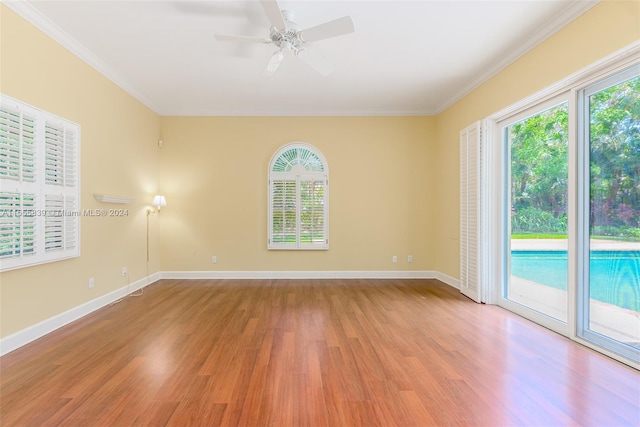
point(52, 187)
point(555, 324)
point(290, 172)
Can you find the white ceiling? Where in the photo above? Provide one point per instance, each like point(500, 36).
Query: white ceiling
point(404, 58)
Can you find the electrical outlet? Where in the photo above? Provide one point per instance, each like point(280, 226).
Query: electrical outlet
point(395, 258)
point(410, 258)
point(214, 259)
point(92, 282)
point(124, 271)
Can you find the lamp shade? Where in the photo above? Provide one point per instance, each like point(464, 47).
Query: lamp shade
point(159, 201)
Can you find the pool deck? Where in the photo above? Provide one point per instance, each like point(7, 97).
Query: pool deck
point(618, 323)
point(561, 245)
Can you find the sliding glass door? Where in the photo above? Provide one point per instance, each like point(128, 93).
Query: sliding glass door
point(536, 145)
point(609, 298)
point(569, 211)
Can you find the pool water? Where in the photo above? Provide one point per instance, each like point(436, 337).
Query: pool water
point(614, 275)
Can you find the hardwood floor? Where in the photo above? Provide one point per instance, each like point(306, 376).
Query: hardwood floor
point(311, 353)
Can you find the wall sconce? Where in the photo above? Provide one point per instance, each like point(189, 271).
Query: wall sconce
point(159, 202)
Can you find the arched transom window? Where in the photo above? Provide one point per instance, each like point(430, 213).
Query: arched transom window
point(298, 198)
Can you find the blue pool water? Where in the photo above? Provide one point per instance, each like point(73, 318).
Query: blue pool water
point(614, 275)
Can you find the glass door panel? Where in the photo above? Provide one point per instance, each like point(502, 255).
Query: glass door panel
point(537, 150)
point(611, 294)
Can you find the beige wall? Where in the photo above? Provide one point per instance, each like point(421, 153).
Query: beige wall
point(604, 29)
point(119, 155)
point(381, 192)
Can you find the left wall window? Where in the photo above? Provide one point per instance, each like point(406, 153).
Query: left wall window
point(39, 186)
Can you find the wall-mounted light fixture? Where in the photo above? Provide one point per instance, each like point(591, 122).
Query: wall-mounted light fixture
point(159, 202)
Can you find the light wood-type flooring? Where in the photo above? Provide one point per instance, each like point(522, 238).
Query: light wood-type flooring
point(311, 353)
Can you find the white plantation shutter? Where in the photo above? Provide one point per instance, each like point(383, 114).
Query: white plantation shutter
point(39, 186)
point(17, 232)
point(72, 225)
point(61, 143)
point(60, 175)
point(312, 213)
point(283, 211)
point(54, 154)
point(473, 219)
point(17, 144)
point(464, 210)
point(298, 196)
point(53, 224)
point(17, 179)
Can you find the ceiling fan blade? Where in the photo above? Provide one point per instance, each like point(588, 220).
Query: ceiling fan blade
point(334, 28)
point(241, 39)
point(272, 9)
point(274, 63)
point(315, 61)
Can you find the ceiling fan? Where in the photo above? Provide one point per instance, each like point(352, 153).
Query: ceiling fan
point(288, 37)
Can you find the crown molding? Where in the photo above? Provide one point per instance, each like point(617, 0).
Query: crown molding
point(570, 13)
point(298, 113)
point(48, 27)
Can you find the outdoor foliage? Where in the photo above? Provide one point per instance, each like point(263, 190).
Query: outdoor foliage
point(615, 159)
point(539, 149)
point(530, 219)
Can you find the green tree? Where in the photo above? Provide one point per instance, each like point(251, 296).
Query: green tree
point(615, 155)
point(539, 159)
point(539, 150)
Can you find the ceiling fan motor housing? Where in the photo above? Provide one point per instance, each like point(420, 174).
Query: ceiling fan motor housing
point(289, 38)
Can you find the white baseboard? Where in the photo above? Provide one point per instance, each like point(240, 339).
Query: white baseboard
point(27, 335)
point(32, 333)
point(425, 274)
point(300, 275)
point(455, 283)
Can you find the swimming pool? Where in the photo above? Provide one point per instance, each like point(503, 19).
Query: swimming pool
point(614, 275)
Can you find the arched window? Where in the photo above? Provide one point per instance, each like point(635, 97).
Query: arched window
point(298, 198)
